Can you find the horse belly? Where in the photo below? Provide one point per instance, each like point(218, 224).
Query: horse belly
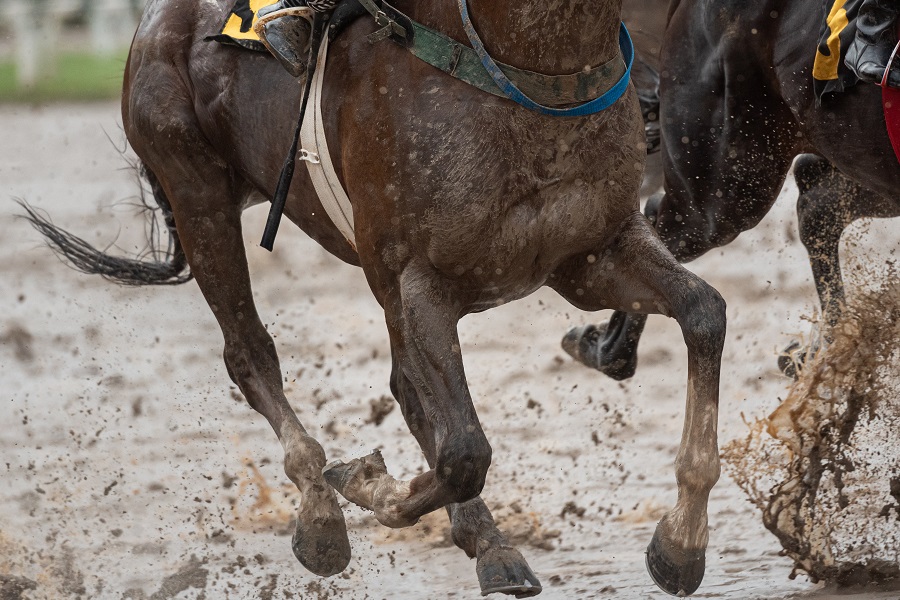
point(511, 249)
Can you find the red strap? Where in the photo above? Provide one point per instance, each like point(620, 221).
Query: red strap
point(890, 100)
point(890, 64)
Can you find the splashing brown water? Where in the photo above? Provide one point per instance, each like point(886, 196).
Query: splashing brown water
point(824, 468)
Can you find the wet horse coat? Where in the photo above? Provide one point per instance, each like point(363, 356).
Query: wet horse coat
point(462, 201)
point(737, 106)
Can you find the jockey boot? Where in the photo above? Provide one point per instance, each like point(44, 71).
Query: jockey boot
point(876, 37)
point(285, 28)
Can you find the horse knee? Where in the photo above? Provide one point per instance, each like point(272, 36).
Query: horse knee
point(703, 318)
point(462, 466)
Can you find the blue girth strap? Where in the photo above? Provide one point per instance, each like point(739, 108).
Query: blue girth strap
point(516, 95)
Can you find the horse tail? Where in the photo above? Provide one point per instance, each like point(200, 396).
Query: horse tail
point(153, 266)
point(646, 82)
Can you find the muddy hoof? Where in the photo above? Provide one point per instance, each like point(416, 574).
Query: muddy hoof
point(503, 570)
point(341, 475)
point(323, 549)
point(679, 576)
point(791, 360)
point(598, 348)
point(338, 474)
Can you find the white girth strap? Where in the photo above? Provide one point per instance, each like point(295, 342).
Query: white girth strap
point(315, 154)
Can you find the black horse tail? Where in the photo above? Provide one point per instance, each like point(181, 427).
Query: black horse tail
point(154, 266)
point(646, 82)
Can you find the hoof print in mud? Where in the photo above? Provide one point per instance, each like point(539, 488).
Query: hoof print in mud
point(677, 576)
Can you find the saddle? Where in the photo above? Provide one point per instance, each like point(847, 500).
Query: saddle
point(237, 30)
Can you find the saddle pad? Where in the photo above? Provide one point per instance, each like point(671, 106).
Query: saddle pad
point(238, 27)
point(830, 74)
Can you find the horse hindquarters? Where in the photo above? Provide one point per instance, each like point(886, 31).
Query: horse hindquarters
point(206, 201)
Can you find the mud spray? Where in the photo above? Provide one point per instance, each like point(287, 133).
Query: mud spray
point(824, 468)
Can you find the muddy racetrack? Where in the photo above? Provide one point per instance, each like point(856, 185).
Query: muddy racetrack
point(132, 468)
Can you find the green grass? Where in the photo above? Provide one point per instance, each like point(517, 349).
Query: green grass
point(78, 77)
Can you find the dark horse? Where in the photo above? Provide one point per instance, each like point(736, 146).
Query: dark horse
point(737, 106)
point(462, 201)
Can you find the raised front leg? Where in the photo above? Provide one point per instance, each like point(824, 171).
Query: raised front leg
point(422, 321)
point(636, 272)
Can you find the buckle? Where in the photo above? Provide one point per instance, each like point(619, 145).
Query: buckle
point(389, 27)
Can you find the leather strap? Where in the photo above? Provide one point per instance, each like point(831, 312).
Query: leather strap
point(318, 160)
point(464, 63)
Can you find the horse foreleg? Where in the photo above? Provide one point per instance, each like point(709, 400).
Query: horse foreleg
point(637, 273)
point(207, 216)
point(499, 566)
point(422, 322)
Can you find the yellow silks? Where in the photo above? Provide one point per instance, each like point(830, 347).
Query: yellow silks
point(233, 27)
point(825, 68)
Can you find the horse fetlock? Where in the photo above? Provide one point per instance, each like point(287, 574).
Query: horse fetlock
point(303, 457)
point(698, 471)
point(685, 528)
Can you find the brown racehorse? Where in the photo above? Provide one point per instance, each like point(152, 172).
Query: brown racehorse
point(738, 106)
point(462, 201)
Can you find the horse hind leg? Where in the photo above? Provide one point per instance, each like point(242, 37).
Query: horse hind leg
point(636, 273)
point(206, 203)
point(828, 202)
point(499, 566)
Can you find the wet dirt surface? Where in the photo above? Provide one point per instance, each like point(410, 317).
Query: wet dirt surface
point(132, 468)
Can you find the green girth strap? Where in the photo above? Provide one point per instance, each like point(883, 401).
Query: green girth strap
point(463, 63)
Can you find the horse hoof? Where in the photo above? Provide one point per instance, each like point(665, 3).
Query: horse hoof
point(679, 576)
point(503, 570)
point(589, 346)
point(791, 359)
point(340, 475)
point(337, 473)
point(321, 543)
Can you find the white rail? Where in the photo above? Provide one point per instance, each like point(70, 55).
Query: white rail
point(37, 26)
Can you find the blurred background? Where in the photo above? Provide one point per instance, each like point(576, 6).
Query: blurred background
point(64, 49)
